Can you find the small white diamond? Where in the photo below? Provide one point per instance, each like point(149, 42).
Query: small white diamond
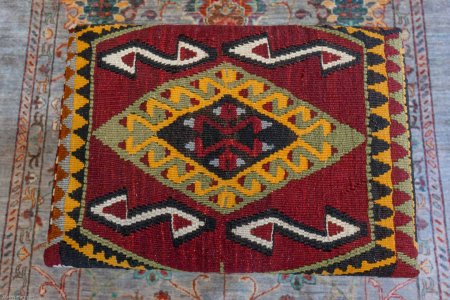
point(217, 110)
point(240, 162)
point(214, 162)
point(190, 146)
point(240, 111)
point(267, 147)
point(189, 122)
point(265, 124)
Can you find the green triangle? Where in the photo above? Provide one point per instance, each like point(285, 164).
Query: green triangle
point(402, 117)
point(404, 186)
point(407, 208)
point(396, 58)
point(395, 43)
point(409, 229)
point(315, 138)
point(406, 259)
point(404, 163)
point(140, 133)
point(344, 138)
point(112, 133)
point(397, 77)
point(398, 96)
point(402, 140)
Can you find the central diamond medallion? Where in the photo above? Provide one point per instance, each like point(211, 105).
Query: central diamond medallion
point(225, 137)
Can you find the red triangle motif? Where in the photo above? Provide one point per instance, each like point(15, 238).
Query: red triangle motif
point(401, 219)
point(262, 50)
point(397, 128)
point(187, 54)
point(334, 229)
point(263, 232)
point(392, 67)
point(179, 222)
point(390, 51)
point(128, 59)
point(397, 151)
point(328, 57)
point(398, 175)
point(118, 209)
point(268, 106)
point(400, 197)
point(395, 107)
point(394, 85)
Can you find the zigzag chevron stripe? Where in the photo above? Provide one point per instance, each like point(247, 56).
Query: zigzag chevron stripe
point(62, 177)
point(78, 139)
point(379, 124)
point(380, 166)
point(79, 115)
point(403, 188)
point(80, 118)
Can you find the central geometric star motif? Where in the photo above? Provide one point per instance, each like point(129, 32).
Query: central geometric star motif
point(225, 137)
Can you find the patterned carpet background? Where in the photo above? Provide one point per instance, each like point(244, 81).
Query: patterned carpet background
point(34, 33)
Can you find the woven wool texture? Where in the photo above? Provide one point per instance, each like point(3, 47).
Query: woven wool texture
point(234, 149)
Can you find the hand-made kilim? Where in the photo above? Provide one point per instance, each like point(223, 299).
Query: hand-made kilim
point(234, 149)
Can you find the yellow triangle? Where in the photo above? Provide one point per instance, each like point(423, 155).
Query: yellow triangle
point(73, 185)
point(99, 29)
point(382, 111)
point(78, 122)
point(374, 35)
point(388, 243)
point(75, 165)
point(385, 179)
point(81, 45)
point(380, 87)
point(379, 68)
point(75, 143)
point(69, 223)
point(383, 134)
point(79, 101)
point(353, 30)
point(386, 201)
point(378, 50)
point(70, 204)
point(384, 157)
point(389, 221)
point(80, 81)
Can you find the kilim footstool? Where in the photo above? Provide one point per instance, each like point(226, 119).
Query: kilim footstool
point(234, 149)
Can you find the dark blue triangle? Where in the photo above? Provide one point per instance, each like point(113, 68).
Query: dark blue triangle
point(374, 77)
point(378, 146)
point(376, 99)
point(382, 232)
point(379, 190)
point(374, 59)
point(378, 168)
point(377, 123)
point(381, 212)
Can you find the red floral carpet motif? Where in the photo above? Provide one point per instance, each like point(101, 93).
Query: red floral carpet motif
point(184, 149)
